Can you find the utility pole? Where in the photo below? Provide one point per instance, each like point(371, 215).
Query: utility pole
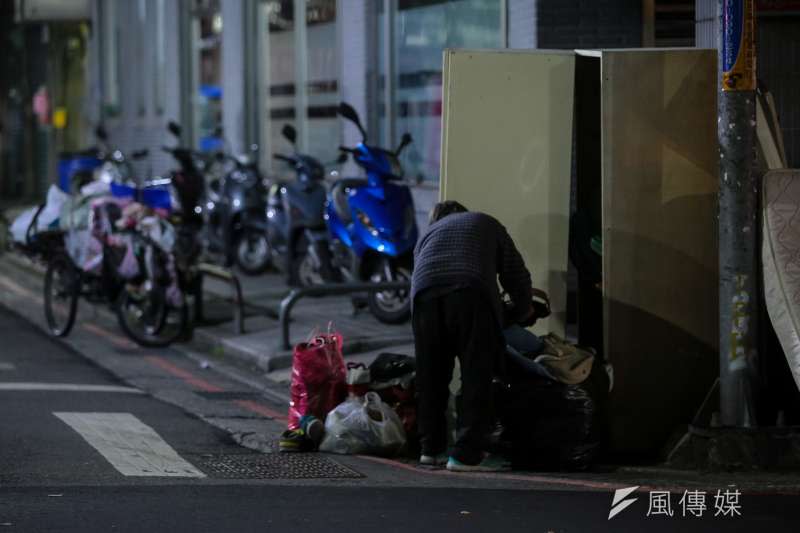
point(739, 190)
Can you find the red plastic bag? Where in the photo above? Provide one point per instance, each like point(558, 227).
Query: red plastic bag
point(318, 378)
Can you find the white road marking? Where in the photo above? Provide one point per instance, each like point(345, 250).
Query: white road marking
point(7, 366)
point(65, 387)
point(131, 446)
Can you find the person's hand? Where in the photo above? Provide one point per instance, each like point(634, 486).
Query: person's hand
point(540, 303)
point(538, 307)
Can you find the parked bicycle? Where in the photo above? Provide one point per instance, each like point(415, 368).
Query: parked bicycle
point(105, 252)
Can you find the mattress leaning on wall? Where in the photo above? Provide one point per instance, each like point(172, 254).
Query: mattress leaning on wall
point(781, 260)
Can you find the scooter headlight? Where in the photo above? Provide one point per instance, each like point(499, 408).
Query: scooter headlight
point(365, 220)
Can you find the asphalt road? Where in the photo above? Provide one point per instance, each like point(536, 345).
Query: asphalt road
point(81, 451)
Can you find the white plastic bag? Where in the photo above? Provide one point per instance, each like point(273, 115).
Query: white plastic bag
point(96, 188)
point(47, 218)
point(55, 200)
point(19, 228)
point(363, 425)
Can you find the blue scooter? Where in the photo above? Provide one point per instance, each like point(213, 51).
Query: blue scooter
point(372, 225)
point(296, 215)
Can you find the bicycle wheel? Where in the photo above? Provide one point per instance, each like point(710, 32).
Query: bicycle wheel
point(61, 290)
point(148, 318)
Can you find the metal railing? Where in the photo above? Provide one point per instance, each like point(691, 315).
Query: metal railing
point(207, 269)
point(330, 289)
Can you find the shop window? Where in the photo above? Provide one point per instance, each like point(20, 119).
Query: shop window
point(322, 88)
point(668, 23)
point(302, 75)
point(420, 30)
point(280, 58)
point(208, 46)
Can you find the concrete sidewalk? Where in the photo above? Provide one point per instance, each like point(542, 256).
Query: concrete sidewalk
point(260, 345)
point(261, 342)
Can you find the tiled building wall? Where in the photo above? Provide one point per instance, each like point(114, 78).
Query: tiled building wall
point(589, 24)
point(778, 66)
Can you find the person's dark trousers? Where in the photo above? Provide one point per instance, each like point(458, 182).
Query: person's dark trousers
point(456, 324)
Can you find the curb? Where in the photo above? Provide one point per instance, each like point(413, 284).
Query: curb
point(282, 359)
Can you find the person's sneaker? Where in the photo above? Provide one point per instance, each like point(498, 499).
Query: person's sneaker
point(433, 460)
point(295, 440)
point(490, 463)
point(313, 428)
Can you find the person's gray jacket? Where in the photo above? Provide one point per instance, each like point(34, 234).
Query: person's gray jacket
point(471, 249)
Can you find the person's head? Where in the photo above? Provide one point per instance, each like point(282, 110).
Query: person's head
point(442, 209)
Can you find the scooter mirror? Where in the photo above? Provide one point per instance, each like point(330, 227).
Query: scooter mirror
point(347, 111)
point(289, 133)
point(404, 141)
point(101, 133)
point(342, 158)
point(174, 128)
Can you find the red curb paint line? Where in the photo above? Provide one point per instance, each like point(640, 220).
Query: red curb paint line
point(499, 476)
point(19, 290)
point(606, 485)
point(115, 339)
point(185, 375)
point(261, 410)
point(206, 386)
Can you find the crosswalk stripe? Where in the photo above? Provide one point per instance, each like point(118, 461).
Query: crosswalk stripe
point(65, 387)
point(131, 446)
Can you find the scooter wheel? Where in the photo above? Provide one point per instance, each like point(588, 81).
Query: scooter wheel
point(253, 252)
point(304, 273)
point(390, 307)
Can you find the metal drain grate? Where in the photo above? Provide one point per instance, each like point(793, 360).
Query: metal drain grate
point(274, 466)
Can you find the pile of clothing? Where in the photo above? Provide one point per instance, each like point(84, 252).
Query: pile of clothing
point(550, 402)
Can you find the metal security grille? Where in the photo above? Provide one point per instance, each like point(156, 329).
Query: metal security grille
point(274, 466)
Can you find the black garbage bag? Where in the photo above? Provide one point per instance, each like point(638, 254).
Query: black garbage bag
point(548, 425)
point(389, 366)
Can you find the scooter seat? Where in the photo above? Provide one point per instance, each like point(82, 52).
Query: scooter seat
point(339, 193)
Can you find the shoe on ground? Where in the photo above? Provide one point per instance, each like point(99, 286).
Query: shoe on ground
point(433, 460)
point(490, 463)
point(313, 428)
point(295, 440)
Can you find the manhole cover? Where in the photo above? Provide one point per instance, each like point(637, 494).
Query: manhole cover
point(229, 395)
point(274, 466)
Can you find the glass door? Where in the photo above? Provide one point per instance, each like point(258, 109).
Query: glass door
point(416, 34)
point(207, 60)
point(299, 65)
